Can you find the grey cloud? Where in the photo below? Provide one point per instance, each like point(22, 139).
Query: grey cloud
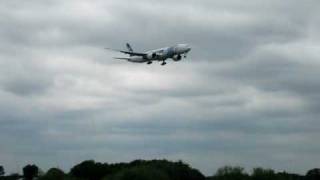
point(26, 86)
point(23, 77)
point(247, 94)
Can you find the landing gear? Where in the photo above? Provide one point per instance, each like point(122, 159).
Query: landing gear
point(163, 63)
point(185, 55)
point(149, 62)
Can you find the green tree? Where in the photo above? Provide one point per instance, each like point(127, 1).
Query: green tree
point(139, 173)
point(263, 174)
point(53, 174)
point(2, 171)
point(30, 171)
point(289, 176)
point(14, 176)
point(231, 173)
point(90, 170)
point(313, 174)
point(174, 170)
point(178, 170)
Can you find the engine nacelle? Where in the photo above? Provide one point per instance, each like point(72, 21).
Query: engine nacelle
point(177, 57)
point(137, 59)
point(151, 56)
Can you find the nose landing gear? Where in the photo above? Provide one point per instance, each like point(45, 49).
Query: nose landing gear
point(163, 63)
point(149, 62)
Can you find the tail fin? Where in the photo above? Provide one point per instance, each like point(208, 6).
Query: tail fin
point(129, 47)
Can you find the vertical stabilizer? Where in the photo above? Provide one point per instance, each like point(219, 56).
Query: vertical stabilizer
point(129, 47)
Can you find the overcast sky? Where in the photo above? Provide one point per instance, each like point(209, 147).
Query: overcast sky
point(248, 93)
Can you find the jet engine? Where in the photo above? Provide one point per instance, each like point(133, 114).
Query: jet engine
point(137, 59)
point(177, 57)
point(151, 56)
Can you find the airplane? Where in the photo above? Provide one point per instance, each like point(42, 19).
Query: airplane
point(162, 54)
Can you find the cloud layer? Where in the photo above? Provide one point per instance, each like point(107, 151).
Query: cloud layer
point(246, 95)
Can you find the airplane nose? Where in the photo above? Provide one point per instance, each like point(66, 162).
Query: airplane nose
point(183, 48)
point(188, 48)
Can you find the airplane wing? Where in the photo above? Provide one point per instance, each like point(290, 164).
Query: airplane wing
point(121, 58)
point(128, 52)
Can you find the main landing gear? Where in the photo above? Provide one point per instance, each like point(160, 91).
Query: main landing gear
point(163, 63)
point(149, 62)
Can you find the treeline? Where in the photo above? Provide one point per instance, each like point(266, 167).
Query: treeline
point(151, 170)
point(238, 173)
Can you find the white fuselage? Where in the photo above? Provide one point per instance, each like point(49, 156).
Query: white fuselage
point(174, 52)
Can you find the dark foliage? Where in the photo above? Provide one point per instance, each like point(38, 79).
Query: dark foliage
point(231, 173)
point(153, 170)
point(234, 173)
point(1, 171)
point(14, 176)
point(30, 171)
point(174, 170)
point(263, 174)
point(313, 174)
point(139, 173)
point(288, 176)
point(147, 169)
point(53, 174)
point(90, 170)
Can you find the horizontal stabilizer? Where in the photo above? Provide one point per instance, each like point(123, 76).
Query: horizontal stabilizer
point(128, 52)
point(121, 58)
